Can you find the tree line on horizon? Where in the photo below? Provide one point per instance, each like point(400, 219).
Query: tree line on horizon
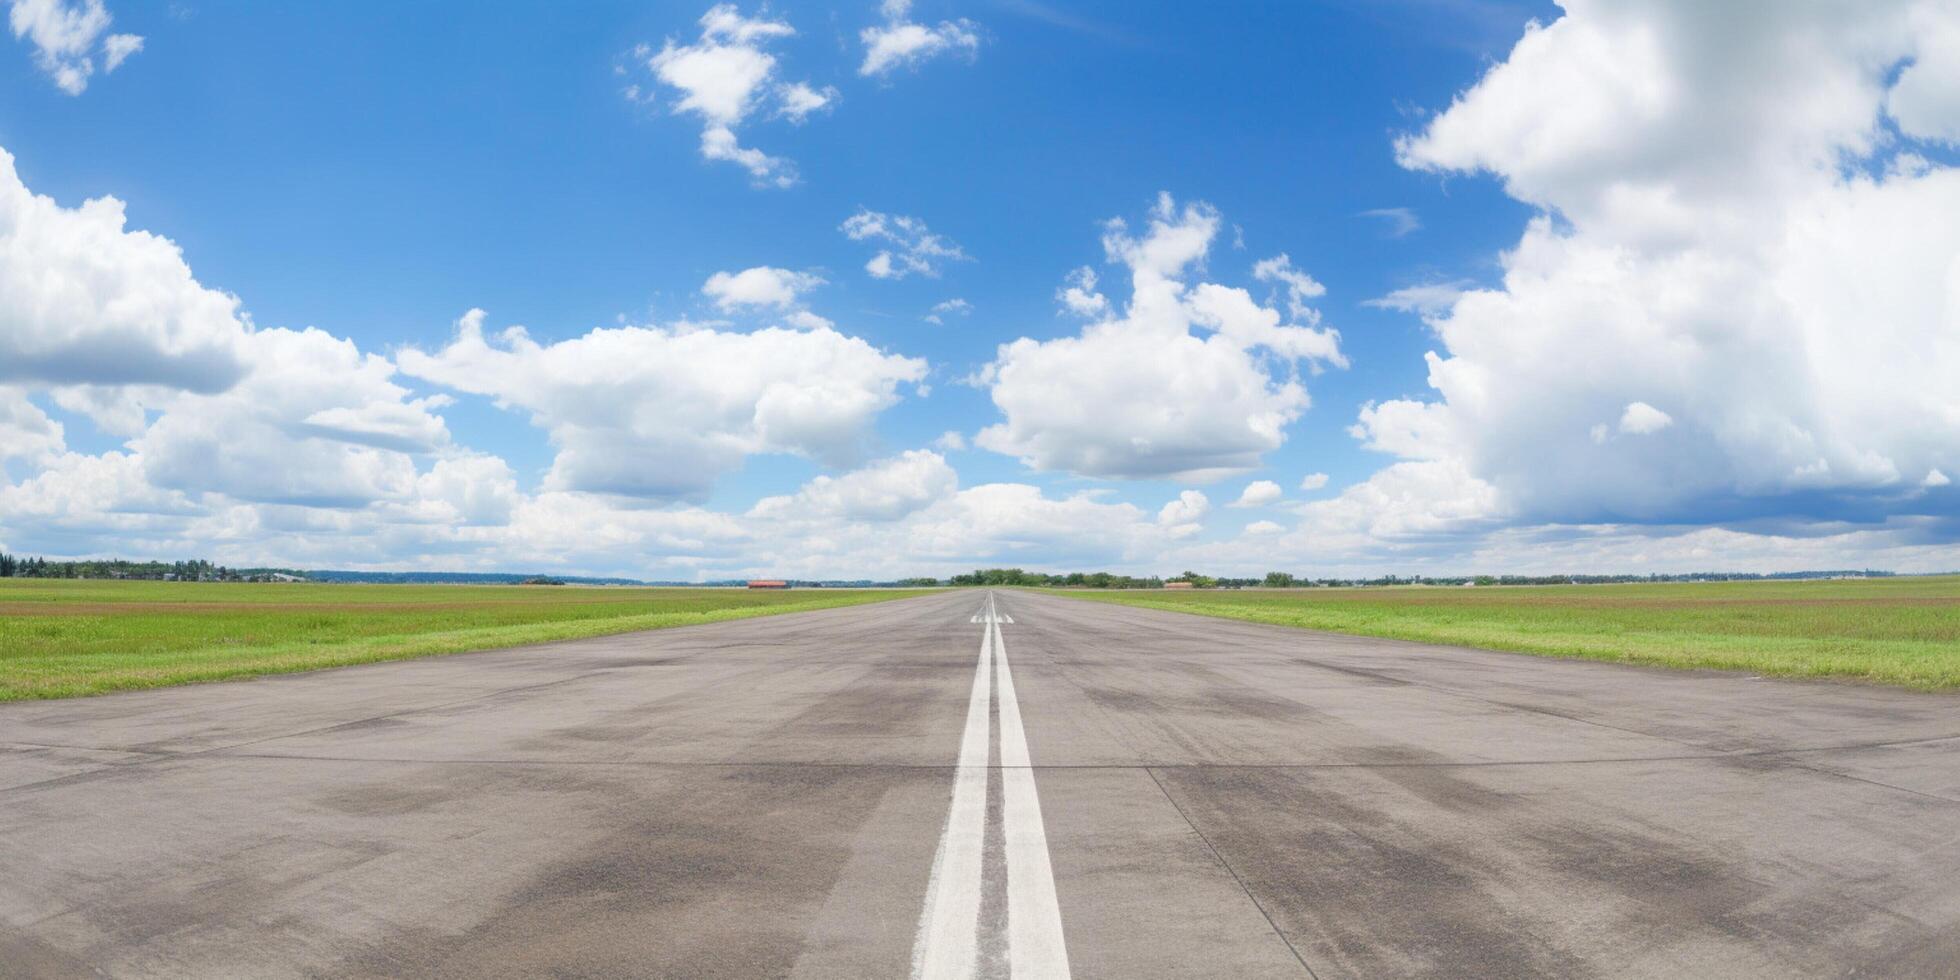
point(1287, 580)
point(199, 570)
point(194, 570)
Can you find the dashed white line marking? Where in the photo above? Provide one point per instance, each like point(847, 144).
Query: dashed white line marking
point(948, 942)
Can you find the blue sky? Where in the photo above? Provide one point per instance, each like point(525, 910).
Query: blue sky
point(377, 172)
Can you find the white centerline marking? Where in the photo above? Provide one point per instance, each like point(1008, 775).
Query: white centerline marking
point(948, 942)
point(949, 929)
point(1034, 917)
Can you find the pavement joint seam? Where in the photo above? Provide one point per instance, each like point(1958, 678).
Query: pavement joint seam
point(151, 756)
point(230, 752)
point(1445, 691)
point(389, 715)
point(1871, 782)
point(1216, 856)
point(1234, 872)
point(922, 767)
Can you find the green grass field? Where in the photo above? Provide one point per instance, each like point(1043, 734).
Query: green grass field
point(64, 638)
point(1903, 631)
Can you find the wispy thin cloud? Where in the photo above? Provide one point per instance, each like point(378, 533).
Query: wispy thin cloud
point(1401, 221)
point(1043, 13)
point(1427, 299)
point(952, 307)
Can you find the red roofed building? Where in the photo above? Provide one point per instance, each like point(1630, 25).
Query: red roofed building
point(768, 583)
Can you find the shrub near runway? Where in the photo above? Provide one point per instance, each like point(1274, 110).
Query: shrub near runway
point(63, 638)
point(1903, 631)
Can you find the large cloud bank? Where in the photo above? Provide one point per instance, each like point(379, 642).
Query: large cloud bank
point(1738, 305)
point(296, 447)
point(1729, 337)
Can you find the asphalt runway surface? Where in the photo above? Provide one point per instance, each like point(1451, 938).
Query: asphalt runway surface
point(957, 785)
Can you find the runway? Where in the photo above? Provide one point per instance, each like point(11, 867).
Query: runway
point(990, 784)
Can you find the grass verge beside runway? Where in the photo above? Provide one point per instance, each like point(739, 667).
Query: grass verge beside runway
point(1902, 631)
point(65, 638)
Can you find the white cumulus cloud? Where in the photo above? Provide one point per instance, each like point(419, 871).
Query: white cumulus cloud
point(1642, 419)
point(1189, 506)
point(1300, 287)
point(64, 35)
point(725, 77)
point(1181, 385)
point(315, 421)
point(761, 286)
point(908, 515)
point(1078, 295)
point(661, 412)
point(806, 320)
point(798, 101)
point(908, 245)
point(900, 41)
point(83, 300)
point(1925, 101)
point(884, 491)
point(25, 430)
point(1259, 493)
point(951, 307)
point(1728, 230)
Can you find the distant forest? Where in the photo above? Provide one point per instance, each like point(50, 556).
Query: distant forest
point(199, 570)
point(1286, 580)
point(463, 578)
point(195, 570)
